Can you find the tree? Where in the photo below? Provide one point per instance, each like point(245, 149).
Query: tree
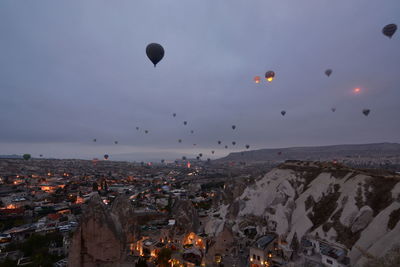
point(141, 263)
point(294, 245)
point(163, 257)
point(26, 156)
point(95, 186)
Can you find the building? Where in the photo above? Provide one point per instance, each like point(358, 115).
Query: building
point(263, 250)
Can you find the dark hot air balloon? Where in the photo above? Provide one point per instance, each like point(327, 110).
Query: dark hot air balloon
point(146, 131)
point(366, 112)
point(155, 52)
point(180, 140)
point(233, 143)
point(233, 127)
point(247, 146)
point(194, 144)
point(191, 131)
point(137, 128)
point(226, 147)
point(197, 157)
point(183, 158)
point(333, 109)
point(219, 142)
point(162, 161)
point(116, 142)
point(389, 30)
point(200, 155)
point(94, 140)
point(328, 72)
point(40, 155)
point(174, 115)
point(106, 157)
point(269, 76)
point(185, 123)
point(212, 151)
point(283, 113)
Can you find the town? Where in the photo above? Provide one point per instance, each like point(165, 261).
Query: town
point(78, 212)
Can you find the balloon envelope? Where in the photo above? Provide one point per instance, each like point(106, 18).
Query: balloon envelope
point(106, 157)
point(283, 113)
point(389, 30)
point(366, 112)
point(155, 52)
point(328, 72)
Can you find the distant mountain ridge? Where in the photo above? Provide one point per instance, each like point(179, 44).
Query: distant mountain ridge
point(317, 152)
point(10, 156)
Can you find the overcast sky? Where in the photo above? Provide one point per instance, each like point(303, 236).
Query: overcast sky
point(75, 70)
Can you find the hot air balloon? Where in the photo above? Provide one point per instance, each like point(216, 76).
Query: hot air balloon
point(333, 109)
point(185, 123)
point(389, 30)
point(40, 155)
point(328, 72)
point(197, 157)
point(116, 142)
point(283, 112)
point(94, 140)
point(162, 161)
point(194, 144)
point(106, 157)
point(269, 76)
point(183, 158)
point(137, 128)
point(200, 155)
point(247, 146)
point(257, 79)
point(155, 52)
point(366, 112)
point(191, 131)
point(219, 142)
point(233, 143)
point(146, 131)
point(226, 147)
point(26, 156)
point(180, 140)
point(174, 114)
point(233, 127)
point(212, 151)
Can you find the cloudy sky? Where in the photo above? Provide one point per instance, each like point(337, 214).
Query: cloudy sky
point(75, 70)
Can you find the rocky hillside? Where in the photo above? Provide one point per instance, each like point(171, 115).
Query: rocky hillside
point(358, 209)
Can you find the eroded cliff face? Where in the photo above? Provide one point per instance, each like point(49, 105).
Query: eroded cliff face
point(343, 205)
point(99, 240)
point(187, 219)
